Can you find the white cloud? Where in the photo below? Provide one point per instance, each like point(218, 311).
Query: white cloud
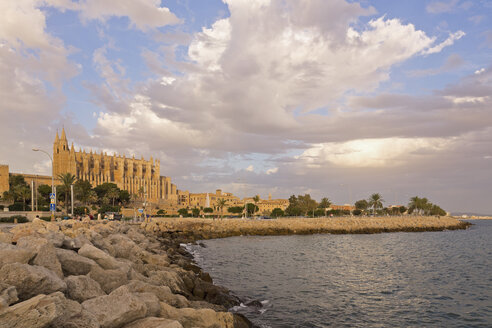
point(250, 168)
point(143, 14)
point(479, 71)
point(448, 42)
point(272, 170)
point(382, 152)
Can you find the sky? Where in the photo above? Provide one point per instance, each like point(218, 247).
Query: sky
point(338, 99)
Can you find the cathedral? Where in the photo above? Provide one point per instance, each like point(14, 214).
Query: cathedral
point(133, 175)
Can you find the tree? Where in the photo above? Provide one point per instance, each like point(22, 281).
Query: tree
point(277, 212)
point(325, 203)
point(113, 193)
point(44, 192)
point(208, 210)
point(235, 209)
point(22, 192)
point(293, 209)
point(67, 179)
point(251, 208)
point(82, 189)
point(307, 204)
point(376, 202)
point(221, 202)
point(183, 212)
point(361, 204)
point(195, 212)
point(124, 197)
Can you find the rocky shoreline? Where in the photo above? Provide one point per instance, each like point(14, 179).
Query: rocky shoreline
point(105, 274)
point(198, 229)
point(93, 274)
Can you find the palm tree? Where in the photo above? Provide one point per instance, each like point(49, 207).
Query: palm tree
point(113, 193)
point(67, 179)
point(256, 199)
point(23, 192)
point(375, 201)
point(220, 204)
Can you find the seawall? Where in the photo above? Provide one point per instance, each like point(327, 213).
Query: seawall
point(194, 229)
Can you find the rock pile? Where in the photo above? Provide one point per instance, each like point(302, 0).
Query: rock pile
point(104, 274)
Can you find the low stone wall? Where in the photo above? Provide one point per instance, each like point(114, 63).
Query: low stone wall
point(196, 229)
point(100, 274)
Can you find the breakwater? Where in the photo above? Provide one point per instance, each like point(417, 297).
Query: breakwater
point(197, 229)
point(100, 274)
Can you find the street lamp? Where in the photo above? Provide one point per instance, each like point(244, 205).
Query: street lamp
point(52, 180)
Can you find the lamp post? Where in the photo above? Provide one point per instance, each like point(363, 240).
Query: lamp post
point(52, 180)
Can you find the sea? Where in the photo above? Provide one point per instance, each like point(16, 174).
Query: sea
point(402, 279)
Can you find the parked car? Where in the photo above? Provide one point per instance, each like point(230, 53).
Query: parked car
point(264, 218)
point(113, 216)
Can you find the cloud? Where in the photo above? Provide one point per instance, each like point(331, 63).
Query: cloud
point(143, 14)
point(453, 61)
point(438, 7)
point(272, 170)
point(382, 152)
point(250, 168)
point(448, 42)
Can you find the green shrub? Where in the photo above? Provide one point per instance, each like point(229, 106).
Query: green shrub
point(2, 207)
point(108, 208)
point(45, 218)
point(81, 210)
point(11, 219)
point(18, 207)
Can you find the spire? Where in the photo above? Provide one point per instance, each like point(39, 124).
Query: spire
point(57, 138)
point(63, 136)
point(72, 149)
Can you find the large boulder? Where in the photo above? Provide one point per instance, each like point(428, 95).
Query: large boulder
point(31, 280)
point(13, 254)
point(8, 295)
point(82, 288)
point(205, 318)
point(6, 237)
point(75, 243)
point(41, 311)
point(102, 258)
point(74, 264)
point(164, 293)
point(116, 309)
point(45, 253)
point(170, 278)
point(152, 322)
point(109, 280)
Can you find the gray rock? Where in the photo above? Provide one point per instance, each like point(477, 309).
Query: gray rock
point(75, 243)
point(41, 311)
point(31, 280)
point(102, 258)
point(109, 280)
point(8, 295)
point(163, 293)
point(56, 238)
point(154, 323)
point(170, 278)
point(82, 288)
point(116, 309)
point(14, 254)
point(74, 264)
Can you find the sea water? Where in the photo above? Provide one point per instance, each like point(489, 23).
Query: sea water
point(425, 279)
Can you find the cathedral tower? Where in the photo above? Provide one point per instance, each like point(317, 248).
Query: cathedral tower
point(63, 156)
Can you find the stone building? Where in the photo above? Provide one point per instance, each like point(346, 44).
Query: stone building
point(4, 179)
point(131, 174)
